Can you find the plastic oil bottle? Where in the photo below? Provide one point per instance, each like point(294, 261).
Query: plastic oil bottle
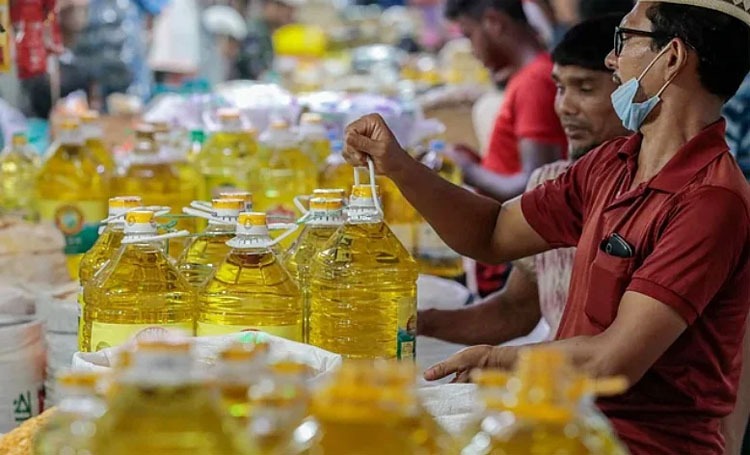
point(315, 141)
point(336, 172)
point(284, 172)
point(321, 222)
point(239, 367)
point(245, 196)
point(72, 194)
point(227, 158)
point(93, 140)
point(363, 287)
point(72, 427)
point(432, 254)
point(251, 289)
point(138, 289)
point(19, 165)
point(399, 213)
point(204, 252)
point(163, 407)
point(543, 409)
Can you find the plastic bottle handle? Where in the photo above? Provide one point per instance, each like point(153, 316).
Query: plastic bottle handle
point(201, 205)
point(290, 228)
point(373, 186)
point(298, 203)
point(156, 238)
point(205, 215)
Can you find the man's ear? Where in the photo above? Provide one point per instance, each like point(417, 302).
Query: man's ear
point(494, 22)
point(677, 60)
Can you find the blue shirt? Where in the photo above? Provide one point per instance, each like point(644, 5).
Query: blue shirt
point(737, 113)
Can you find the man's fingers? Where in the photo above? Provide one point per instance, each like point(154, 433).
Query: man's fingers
point(362, 143)
point(442, 369)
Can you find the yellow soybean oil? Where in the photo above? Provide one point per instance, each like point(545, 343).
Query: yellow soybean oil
point(163, 407)
point(19, 165)
point(315, 141)
point(206, 250)
point(72, 193)
point(323, 220)
point(363, 288)
point(399, 213)
point(251, 289)
point(138, 289)
point(542, 409)
point(239, 367)
point(93, 137)
point(336, 172)
point(227, 158)
point(432, 254)
point(284, 172)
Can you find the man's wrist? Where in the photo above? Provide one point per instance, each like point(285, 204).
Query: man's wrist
point(426, 322)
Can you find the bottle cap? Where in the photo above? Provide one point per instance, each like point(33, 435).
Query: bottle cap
point(68, 124)
point(311, 118)
point(124, 202)
point(90, 116)
point(19, 140)
point(326, 193)
point(437, 145)
point(244, 195)
point(326, 205)
point(227, 208)
point(252, 219)
point(363, 191)
point(140, 222)
point(228, 114)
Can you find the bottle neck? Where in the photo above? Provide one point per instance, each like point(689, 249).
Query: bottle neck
point(323, 219)
point(364, 215)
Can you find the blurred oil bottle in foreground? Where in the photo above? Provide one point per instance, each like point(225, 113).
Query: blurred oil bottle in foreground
point(363, 288)
point(432, 254)
point(207, 250)
point(93, 137)
point(239, 367)
point(139, 288)
point(71, 429)
point(251, 288)
point(72, 193)
point(164, 407)
point(545, 407)
point(325, 217)
point(19, 165)
point(227, 158)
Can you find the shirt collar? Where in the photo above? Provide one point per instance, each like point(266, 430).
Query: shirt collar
point(689, 160)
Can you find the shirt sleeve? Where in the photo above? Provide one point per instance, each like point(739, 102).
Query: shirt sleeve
point(697, 252)
point(534, 111)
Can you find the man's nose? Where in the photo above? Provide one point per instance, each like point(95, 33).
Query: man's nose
point(611, 60)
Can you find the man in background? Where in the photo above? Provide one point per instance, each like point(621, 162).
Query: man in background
point(538, 286)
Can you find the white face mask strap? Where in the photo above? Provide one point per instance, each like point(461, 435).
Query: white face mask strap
point(664, 87)
point(653, 62)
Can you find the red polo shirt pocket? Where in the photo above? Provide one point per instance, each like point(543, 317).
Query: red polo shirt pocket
point(610, 276)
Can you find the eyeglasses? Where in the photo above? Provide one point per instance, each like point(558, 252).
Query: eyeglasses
point(620, 40)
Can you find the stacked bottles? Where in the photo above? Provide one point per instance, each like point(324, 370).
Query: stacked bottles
point(239, 367)
point(139, 288)
point(544, 407)
point(72, 427)
point(321, 222)
point(365, 411)
point(19, 165)
point(314, 137)
point(93, 141)
point(204, 253)
point(284, 171)
point(363, 288)
point(432, 254)
point(336, 172)
point(251, 289)
point(163, 407)
point(72, 193)
point(226, 159)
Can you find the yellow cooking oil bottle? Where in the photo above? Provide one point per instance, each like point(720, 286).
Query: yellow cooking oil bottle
point(227, 158)
point(279, 407)
point(205, 251)
point(315, 138)
point(336, 172)
point(93, 137)
point(545, 407)
point(251, 289)
point(239, 367)
point(363, 289)
point(163, 406)
point(284, 172)
point(19, 165)
point(432, 254)
point(70, 430)
point(321, 222)
point(245, 196)
point(400, 215)
point(358, 413)
point(71, 193)
point(138, 289)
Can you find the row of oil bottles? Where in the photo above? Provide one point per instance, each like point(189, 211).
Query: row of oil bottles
point(346, 285)
point(78, 174)
point(157, 401)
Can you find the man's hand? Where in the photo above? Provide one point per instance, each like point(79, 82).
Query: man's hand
point(370, 136)
point(463, 362)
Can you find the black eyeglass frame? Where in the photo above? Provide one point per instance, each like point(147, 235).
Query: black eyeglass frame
point(619, 42)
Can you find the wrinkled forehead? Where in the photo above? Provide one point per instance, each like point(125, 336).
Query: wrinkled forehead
point(637, 18)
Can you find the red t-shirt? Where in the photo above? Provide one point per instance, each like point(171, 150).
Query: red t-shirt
point(689, 227)
point(527, 112)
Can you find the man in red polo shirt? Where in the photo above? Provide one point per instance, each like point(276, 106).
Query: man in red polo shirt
point(659, 292)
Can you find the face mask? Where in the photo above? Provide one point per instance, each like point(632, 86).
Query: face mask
point(633, 114)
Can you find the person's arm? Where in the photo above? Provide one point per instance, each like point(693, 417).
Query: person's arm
point(508, 314)
point(472, 225)
point(534, 154)
point(735, 424)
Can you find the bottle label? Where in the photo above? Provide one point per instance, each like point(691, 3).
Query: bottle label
point(78, 221)
point(290, 332)
point(405, 234)
point(407, 329)
point(431, 246)
point(105, 335)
